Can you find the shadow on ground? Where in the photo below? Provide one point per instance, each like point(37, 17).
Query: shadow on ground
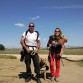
point(23, 75)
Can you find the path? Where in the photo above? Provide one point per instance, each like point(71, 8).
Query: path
point(72, 57)
point(13, 71)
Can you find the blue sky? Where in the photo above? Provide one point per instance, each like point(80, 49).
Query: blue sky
point(15, 16)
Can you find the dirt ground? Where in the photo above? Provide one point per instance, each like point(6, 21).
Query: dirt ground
point(13, 71)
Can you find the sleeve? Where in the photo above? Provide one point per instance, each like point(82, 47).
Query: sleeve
point(23, 35)
point(38, 38)
point(49, 41)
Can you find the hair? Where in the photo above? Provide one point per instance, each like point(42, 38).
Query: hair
point(60, 36)
point(59, 30)
point(31, 23)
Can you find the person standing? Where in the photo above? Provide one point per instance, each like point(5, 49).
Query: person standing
point(30, 42)
point(55, 44)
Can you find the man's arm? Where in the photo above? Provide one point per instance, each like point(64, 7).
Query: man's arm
point(38, 46)
point(22, 42)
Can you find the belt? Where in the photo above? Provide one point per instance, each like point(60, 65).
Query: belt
point(31, 46)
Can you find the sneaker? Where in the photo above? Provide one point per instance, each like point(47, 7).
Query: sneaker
point(52, 78)
point(38, 80)
point(28, 79)
point(56, 79)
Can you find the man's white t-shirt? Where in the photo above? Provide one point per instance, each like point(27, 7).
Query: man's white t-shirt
point(31, 39)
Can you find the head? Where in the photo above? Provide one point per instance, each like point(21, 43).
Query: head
point(58, 32)
point(43, 60)
point(31, 27)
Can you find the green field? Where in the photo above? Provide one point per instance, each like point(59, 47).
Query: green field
point(68, 51)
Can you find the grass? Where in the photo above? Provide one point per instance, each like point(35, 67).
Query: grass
point(73, 51)
point(67, 51)
point(43, 51)
point(10, 51)
point(80, 63)
point(7, 57)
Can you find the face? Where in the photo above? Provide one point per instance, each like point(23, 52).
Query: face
point(57, 32)
point(43, 60)
point(31, 27)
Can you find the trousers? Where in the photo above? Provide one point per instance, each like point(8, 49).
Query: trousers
point(35, 59)
point(54, 65)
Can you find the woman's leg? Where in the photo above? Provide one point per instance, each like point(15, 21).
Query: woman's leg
point(57, 61)
point(52, 66)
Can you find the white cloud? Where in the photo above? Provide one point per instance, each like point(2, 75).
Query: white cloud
point(19, 25)
point(66, 7)
point(37, 17)
point(34, 18)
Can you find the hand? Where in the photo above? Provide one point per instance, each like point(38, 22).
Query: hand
point(48, 58)
point(54, 43)
point(58, 56)
point(27, 50)
point(36, 50)
point(50, 45)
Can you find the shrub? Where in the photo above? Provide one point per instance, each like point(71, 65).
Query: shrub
point(2, 47)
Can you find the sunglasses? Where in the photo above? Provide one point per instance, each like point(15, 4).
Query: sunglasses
point(57, 31)
point(31, 26)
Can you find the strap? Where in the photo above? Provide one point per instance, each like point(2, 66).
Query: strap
point(31, 46)
point(37, 34)
point(26, 32)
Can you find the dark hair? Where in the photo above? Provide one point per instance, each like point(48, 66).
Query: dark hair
point(31, 23)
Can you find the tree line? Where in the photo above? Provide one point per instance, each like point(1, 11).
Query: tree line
point(2, 47)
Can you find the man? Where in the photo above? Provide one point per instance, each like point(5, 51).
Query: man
point(30, 42)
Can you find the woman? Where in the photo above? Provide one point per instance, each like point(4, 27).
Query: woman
point(55, 44)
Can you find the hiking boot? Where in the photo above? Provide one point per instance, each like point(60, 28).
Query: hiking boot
point(56, 79)
point(52, 78)
point(38, 80)
point(21, 59)
point(28, 79)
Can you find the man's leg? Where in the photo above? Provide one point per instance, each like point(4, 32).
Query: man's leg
point(28, 68)
point(37, 67)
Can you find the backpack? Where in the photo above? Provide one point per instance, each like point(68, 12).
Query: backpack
point(35, 31)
